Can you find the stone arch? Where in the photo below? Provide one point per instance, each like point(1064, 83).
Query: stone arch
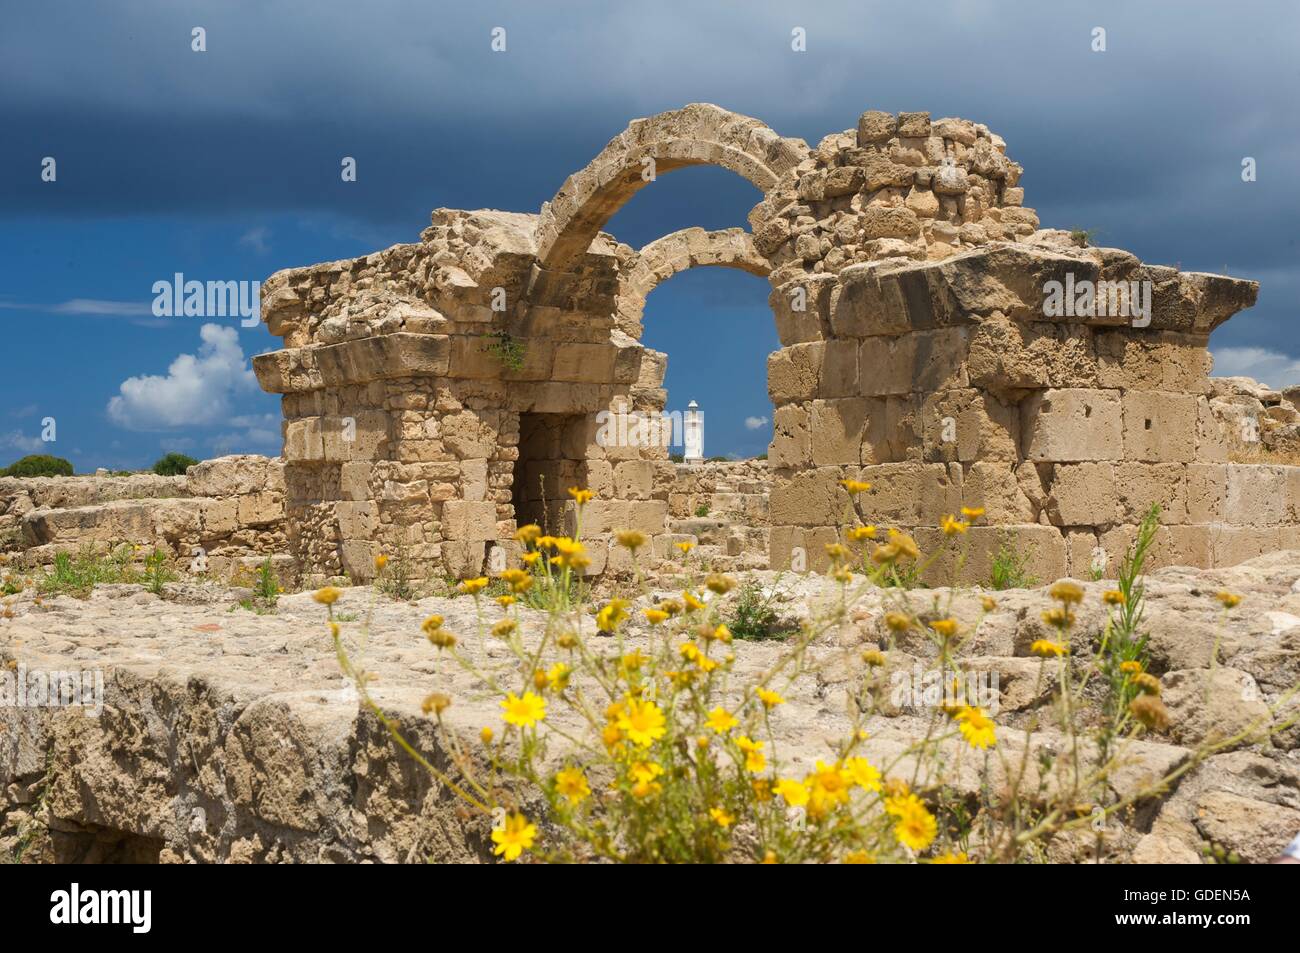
point(677, 251)
point(697, 134)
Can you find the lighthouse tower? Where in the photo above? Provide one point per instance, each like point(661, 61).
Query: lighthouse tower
point(693, 433)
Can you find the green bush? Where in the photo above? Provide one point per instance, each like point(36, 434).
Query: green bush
point(38, 464)
point(173, 464)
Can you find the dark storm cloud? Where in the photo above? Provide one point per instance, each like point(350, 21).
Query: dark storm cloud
point(1142, 143)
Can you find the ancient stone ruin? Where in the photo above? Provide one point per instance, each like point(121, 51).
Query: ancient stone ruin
point(432, 390)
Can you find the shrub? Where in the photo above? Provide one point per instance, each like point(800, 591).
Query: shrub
point(752, 617)
point(38, 465)
point(173, 464)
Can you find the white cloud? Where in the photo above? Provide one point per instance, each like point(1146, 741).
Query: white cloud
point(18, 440)
point(259, 432)
point(755, 423)
point(255, 238)
point(1268, 367)
point(196, 391)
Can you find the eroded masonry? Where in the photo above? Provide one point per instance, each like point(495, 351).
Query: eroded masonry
point(436, 395)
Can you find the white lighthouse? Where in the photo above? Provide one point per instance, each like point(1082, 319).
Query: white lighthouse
point(693, 433)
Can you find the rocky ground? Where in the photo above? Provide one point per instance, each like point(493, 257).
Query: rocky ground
point(229, 735)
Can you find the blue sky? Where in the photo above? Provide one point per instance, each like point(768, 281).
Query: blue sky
point(223, 165)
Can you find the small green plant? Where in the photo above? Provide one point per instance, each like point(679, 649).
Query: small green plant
point(1123, 650)
point(393, 576)
point(157, 571)
point(38, 465)
point(75, 575)
point(173, 464)
point(753, 617)
point(1082, 237)
point(508, 350)
point(702, 510)
point(267, 585)
point(1010, 568)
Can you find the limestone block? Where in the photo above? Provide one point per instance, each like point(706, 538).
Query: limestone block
point(793, 373)
point(838, 427)
point(839, 375)
point(357, 520)
point(1083, 494)
point(791, 437)
point(221, 516)
point(1138, 359)
point(463, 559)
point(810, 498)
point(1072, 424)
point(994, 487)
point(354, 480)
point(584, 362)
point(1044, 545)
point(468, 520)
point(1207, 488)
point(303, 442)
point(802, 308)
point(1139, 486)
point(260, 509)
point(633, 479)
point(229, 475)
point(1235, 544)
point(969, 425)
point(887, 365)
point(1212, 438)
point(1159, 426)
point(1256, 495)
point(875, 126)
point(474, 480)
point(909, 494)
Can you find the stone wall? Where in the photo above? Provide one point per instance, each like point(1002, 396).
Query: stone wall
point(909, 293)
point(229, 510)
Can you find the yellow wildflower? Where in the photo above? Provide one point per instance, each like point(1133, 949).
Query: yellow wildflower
point(855, 486)
point(952, 526)
point(380, 562)
point(721, 817)
point(769, 698)
point(631, 539)
point(513, 837)
point(755, 761)
point(717, 582)
point(473, 587)
point(721, 720)
point(951, 858)
point(972, 512)
point(916, 826)
point(1066, 591)
point(1046, 648)
point(795, 793)
point(580, 496)
point(614, 612)
point(977, 728)
point(655, 616)
point(486, 735)
point(528, 533)
point(327, 595)
point(863, 773)
point(1113, 597)
point(524, 712)
point(572, 784)
point(1230, 600)
point(860, 534)
point(685, 546)
point(642, 722)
